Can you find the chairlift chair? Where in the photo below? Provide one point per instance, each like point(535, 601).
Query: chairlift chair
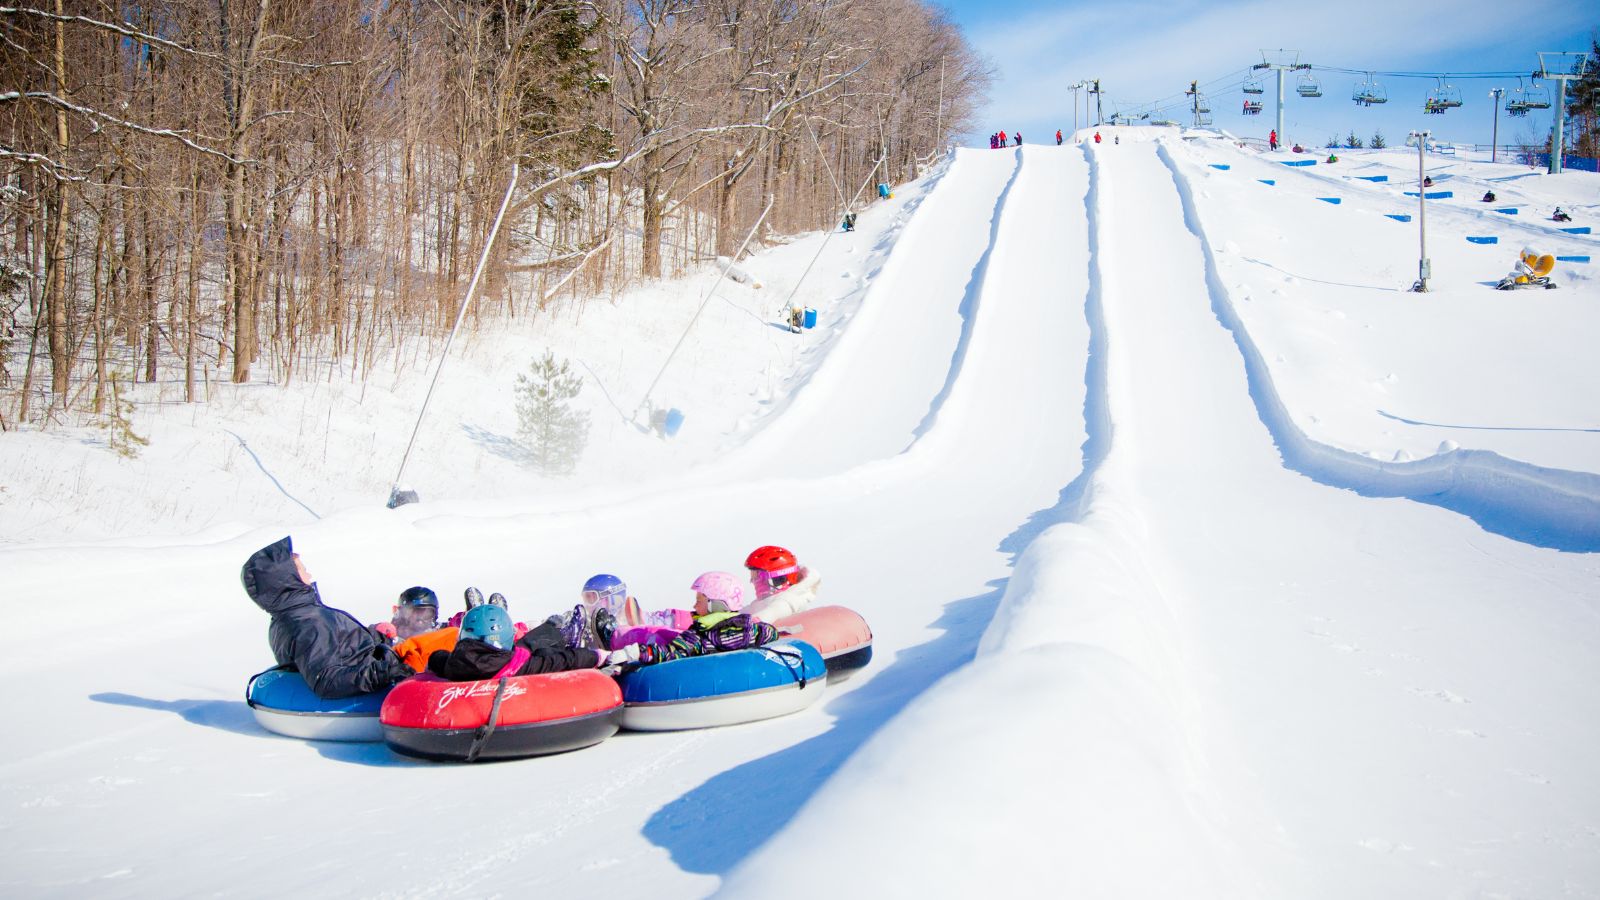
point(1537, 97)
point(1308, 86)
point(1252, 85)
point(1442, 98)
point(1252, 107)
point(1369, 93)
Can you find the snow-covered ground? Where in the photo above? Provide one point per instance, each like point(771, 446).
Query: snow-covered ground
point(1202, 559)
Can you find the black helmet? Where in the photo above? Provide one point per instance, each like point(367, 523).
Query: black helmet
point(419, 596)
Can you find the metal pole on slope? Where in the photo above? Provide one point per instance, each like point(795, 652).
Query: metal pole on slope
point(1494, 140)
point(398, 497)
point(1281, 139)
point(1424, 267)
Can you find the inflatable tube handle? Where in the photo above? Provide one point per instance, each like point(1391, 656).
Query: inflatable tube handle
point(252, 682)
point(794, 661)
point(487, 730)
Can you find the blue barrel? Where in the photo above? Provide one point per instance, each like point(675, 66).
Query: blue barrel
point(810, 318)
point(883, 190)
point(673, 422)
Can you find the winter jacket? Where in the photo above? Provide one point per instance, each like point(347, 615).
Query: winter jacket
point(337, 655)
point(546, 650)
point(711, 634)
point(415, 652)
point(795, 598)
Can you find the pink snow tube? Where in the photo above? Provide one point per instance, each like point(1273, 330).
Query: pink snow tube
point(841, 635)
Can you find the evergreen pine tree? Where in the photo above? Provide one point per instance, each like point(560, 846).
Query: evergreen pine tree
point(1378, 143)
point(553, 432)
point(1354, 143)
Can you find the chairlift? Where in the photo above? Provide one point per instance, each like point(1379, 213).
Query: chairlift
point(1308, 86)
point(1252, 85)
point(1252, 107)
point(1201, 104)
point(1441, 98)
point(1537, 97)
point(1518, 104)
point(1369, 93)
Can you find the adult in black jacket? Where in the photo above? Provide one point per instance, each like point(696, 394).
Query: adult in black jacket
point(484, 648)
point(337, 655)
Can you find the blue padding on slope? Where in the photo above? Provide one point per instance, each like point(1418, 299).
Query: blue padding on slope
point(1483, 240)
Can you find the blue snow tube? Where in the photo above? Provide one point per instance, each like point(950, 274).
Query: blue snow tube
point(723, 688)
point(284, 704)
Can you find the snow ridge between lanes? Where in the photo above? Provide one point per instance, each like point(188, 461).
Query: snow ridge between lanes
point(1543, 506)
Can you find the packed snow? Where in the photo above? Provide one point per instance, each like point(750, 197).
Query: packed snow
point(1202, 559)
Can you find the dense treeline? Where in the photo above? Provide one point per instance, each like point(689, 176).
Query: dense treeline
point(236, 185)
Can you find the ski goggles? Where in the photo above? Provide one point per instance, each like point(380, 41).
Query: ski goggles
point(410, 621)
point(607, 596)
point(763, 579)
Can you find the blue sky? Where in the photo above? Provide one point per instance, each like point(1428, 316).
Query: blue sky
point(1143, 51)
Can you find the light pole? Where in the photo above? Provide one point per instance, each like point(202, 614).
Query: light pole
point(1424, 267)
point(1494, 142)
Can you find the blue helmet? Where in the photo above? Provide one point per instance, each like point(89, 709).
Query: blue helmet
point(490, 624)
point(607, 590)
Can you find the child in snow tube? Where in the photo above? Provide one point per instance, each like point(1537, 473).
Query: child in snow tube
point(606, 606)
point(335, 654)
point(488, 648)
point(718, 625)
point(783, 587)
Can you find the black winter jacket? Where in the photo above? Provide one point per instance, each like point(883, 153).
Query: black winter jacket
point(473, 660)
point(337, 655)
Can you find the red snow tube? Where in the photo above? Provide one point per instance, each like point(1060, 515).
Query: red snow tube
point(429, 717)
point(842, 637)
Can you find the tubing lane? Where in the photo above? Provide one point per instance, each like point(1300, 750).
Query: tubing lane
point(1538, 505)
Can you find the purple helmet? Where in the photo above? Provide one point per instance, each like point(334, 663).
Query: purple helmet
point(722, 590)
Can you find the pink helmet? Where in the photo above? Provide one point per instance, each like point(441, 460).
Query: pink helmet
point(722, 590)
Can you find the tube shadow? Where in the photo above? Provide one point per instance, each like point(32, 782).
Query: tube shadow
point(235, 716)
point(748, 804)
point(226, 715)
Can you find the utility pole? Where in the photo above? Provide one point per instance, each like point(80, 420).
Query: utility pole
point(938, 127)
point(1574, 72)
point(1292, 64)
point(1424, 267)
point(1494, 141)
point(1075, 88)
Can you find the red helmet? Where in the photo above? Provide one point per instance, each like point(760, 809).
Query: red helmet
point(772, 569)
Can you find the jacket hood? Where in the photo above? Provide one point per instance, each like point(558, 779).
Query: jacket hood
point(269, 577)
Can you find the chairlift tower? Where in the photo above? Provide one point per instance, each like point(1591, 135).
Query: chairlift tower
point(1287, 61)
point(1561, 67)
point(1094, 88)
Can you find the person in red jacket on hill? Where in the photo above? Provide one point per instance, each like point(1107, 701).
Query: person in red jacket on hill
point(1272, 139)
point(1097, 137)
point(1058, 137)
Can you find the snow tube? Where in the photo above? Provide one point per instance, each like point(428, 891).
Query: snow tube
point(723, 688)
point(429, 717)
point(842, 637)
point(284, 704)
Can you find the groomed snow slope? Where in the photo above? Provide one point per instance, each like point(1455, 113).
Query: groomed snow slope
point(1123, 646)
